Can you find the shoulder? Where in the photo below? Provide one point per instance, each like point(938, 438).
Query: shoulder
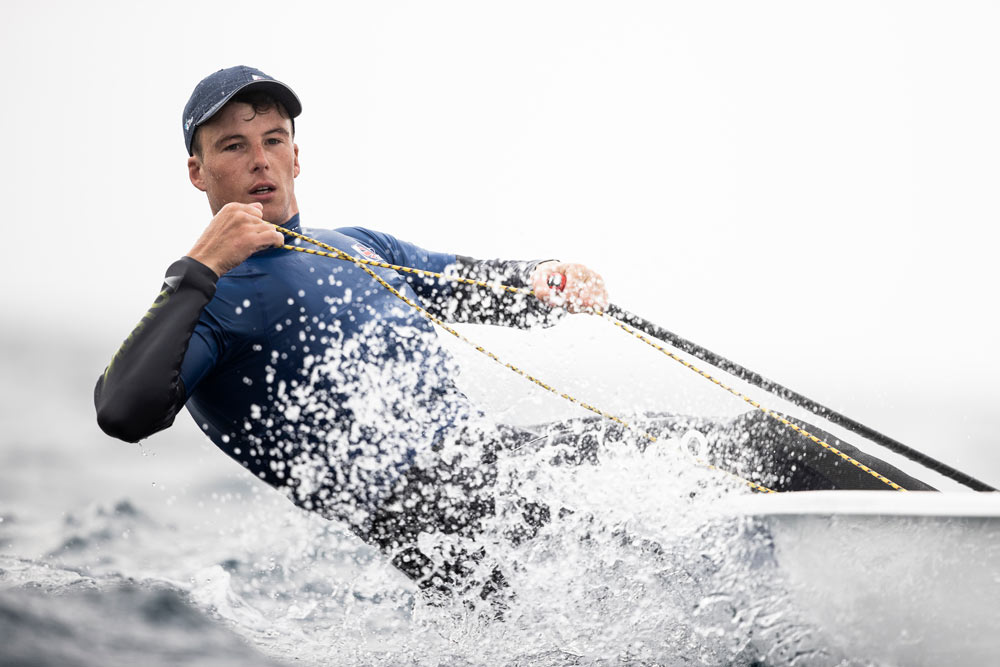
point(369, 236)
point(370, 244)
point(382, 247)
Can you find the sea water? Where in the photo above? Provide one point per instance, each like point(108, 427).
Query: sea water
point(168, 553)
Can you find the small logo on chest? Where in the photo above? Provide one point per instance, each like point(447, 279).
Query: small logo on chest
point(366, 252)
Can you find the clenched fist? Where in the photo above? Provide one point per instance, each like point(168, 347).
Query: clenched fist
point(236, 232)
point(571, 286)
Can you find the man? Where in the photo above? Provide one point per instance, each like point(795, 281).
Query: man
point(306, 371)
point(325, 385)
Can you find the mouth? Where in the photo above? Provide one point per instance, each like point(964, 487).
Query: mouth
point(262, 190)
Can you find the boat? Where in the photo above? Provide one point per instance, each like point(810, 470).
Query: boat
point(900, 578)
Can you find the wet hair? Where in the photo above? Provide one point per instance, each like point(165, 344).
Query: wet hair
point(260, 102)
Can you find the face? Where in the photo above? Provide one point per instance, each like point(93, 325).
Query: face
point(247, 158)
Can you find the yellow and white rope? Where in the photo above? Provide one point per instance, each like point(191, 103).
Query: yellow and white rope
point(336, 253)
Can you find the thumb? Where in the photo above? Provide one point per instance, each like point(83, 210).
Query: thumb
point(258, 207)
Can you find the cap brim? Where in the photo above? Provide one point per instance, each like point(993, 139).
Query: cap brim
point(282, 93)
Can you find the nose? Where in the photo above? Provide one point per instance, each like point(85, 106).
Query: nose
point(259, 158)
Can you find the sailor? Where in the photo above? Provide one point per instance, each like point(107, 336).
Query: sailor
point(325, 385)
point(304, 369)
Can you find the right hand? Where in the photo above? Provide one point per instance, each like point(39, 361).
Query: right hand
point(236, 232)
point(582, 289)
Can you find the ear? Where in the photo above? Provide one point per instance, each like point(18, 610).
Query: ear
point(296, 169)
point(194, 173)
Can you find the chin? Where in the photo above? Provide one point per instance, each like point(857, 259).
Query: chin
point(272, 214)
point(276, 218)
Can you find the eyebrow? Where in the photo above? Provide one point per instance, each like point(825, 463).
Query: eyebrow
point(227, 139)
point(279, 130)
point(231, 137)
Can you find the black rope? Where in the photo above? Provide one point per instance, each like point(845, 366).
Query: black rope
point(794, 397)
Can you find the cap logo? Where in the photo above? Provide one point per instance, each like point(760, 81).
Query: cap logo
point(187, 123)
point(255, 77)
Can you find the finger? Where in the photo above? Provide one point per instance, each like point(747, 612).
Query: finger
point(269, 240)
point(539, 283)
point(550, 297)
point(592, 292)
point(601, 301)
point(556, 282)
point(542, 291)
point(271, 237)
point(587, 295)
point(235, 207)
point(550, 287)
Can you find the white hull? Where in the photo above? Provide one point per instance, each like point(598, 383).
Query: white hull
point(904, 578)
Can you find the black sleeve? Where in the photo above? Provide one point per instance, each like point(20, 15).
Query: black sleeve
point(473, 304)
point(141, 390)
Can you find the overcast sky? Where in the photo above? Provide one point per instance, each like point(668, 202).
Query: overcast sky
point(808, 188)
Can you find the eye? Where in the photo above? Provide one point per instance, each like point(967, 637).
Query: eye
point(233, 147)
point(273, 141)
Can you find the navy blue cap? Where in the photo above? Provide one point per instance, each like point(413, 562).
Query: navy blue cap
point(212, 93)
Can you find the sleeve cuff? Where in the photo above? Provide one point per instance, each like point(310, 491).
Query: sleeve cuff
point(191, 273)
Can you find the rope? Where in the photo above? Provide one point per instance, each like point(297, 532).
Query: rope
point(340, 254)
point(795, 398)
point(755, 404)
point(336, 253)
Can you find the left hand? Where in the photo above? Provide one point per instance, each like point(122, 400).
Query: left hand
point(571, 286)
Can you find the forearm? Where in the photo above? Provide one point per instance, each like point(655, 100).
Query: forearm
point(479, 305)
point(141, 390)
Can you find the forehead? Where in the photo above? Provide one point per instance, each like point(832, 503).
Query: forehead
point(238, 117)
